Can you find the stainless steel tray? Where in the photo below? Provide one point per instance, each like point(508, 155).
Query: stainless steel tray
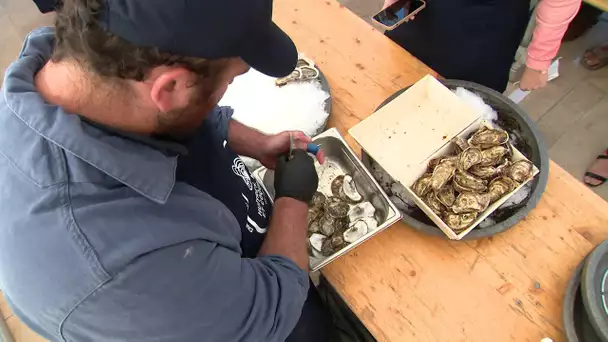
point(340, 159)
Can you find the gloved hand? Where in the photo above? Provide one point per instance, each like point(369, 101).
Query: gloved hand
point(296, 178)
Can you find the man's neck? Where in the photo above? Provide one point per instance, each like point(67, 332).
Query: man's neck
point(68, 86)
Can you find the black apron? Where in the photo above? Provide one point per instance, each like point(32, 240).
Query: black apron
point(211, 166)
point(473, 40)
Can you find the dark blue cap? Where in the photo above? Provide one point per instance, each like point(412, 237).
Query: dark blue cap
point(209, 29)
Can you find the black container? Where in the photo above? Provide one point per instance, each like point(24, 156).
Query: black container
point(528, 141)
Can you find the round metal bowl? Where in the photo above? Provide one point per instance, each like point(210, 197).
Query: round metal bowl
point(528, 141)
point(577, 326)
point(593, 288)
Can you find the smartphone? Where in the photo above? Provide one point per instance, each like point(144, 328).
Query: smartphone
point(398, 13)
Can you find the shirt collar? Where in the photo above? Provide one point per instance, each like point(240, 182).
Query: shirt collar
point(134, 163)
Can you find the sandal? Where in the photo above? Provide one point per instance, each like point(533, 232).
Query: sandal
point(594, 175)
point(601, 54)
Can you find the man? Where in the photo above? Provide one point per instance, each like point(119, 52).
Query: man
point(125, 213)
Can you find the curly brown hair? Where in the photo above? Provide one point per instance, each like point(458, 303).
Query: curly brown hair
point(79, 36)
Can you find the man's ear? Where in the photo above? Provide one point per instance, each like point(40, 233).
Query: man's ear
point(170, 89)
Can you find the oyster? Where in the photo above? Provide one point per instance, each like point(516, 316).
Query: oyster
point(318, 200)
point(295, 75)
point(459, 222)
point(436, 206)
point(336, 185)
point(470, 203)
point(360, 211)
point(468, 158)
point(520, 171)
point(315, 225)
point(461, 144)
point(500, 186)
point(502, 166)
point(316, 241)
point(314, 213)
point(444, 171)
point(336, 207)
point(487, 137)
point(483, 172)
point(348, 191)
point(359, 228)
point(333, 244)
point(328, 225)
point(493, 155)
point(422, 185)
point(446, 195)
point(466, 182)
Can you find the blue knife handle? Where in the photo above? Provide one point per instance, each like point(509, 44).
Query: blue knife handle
point(312, 148)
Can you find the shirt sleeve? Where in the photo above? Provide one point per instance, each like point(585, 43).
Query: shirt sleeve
point(219, 119)
point(193, 291)
point(552, 19)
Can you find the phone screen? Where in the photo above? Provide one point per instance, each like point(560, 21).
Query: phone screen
point(396, 12)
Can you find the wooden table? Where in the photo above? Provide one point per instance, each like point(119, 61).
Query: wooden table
point(601, 4)
point(407, 286)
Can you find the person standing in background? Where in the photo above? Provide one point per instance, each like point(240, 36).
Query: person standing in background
point(476, 40)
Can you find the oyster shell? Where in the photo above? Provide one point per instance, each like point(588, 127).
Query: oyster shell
point(360, 211)
point(470, 203)
point(333, 244)
point(315, 225)
point(468, 158)
point(461, 144)
point(422, 185)
point(433, 164)
point(316, 241)
point(487, 137)
point(336, 185)
point(520, 171)
point(500, 186)
point(483, 172)
point(356, 230)
point(466, 182)
point(349, 191)
point(336, 207)
point(314, 214)
point(436, 206)
point(318, 200)
point(493, 155)
point(328, 225)
point(446, 195)
point(459, 222)
point(444, 171)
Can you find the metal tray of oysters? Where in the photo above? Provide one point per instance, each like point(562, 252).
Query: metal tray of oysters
point(349, 206)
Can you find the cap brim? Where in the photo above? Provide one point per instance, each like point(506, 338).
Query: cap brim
point(272, 53)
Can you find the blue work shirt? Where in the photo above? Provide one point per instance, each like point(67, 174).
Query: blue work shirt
point(105, 237)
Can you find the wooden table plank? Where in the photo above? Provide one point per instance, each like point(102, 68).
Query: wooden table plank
point(407, 286)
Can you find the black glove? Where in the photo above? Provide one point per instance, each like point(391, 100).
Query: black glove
point(296, 178)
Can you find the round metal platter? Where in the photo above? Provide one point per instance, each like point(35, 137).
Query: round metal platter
point(594, 289)
point(576, 321)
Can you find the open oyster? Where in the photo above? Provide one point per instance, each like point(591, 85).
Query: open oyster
point(359, 228)
point(444, 171)
point(336, 207)
point(500, 186)
point(316, 241)
point(493, 155)
point(446, 195)
point(349, 191)
point(520, 170)
point(328, 225)
point(470, 203)
point(466, 182)
point(333, 244)
point(459, 222)
point(318, 200)
point(468, 158)
point(433, 202)
point(422, 185)
point(336, 185)
point(460, 143)
point(360, 211)
point(487, 137)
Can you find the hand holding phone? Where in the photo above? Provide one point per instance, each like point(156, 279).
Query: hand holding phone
point(396, 12)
